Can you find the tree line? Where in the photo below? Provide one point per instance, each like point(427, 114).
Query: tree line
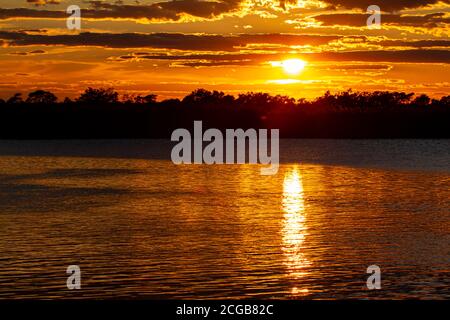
point(104, 113)
point(346, 100)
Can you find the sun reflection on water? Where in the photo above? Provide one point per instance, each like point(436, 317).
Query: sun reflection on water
point(294, 227)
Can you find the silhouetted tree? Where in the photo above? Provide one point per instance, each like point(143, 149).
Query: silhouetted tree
point(16, 98)
point(327, 100)
point(67, 100)
point(41, 96)
point(103, 96)
point(378, 114)
point(422, 100)
point(386, 99)
point(302, 101)
point(203, 96)
point(148, 99)
point(254, 99)
point(170, 103)
point(445, 101)
point(128, 98)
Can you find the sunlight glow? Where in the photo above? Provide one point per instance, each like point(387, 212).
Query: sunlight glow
point(290, 66)
point(284, 81)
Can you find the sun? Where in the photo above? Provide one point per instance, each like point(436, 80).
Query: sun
point(290, 66)
point(293, 66)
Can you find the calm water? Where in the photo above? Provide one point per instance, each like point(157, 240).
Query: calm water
point(141, 227)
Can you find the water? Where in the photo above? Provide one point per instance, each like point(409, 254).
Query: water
point(141, 227)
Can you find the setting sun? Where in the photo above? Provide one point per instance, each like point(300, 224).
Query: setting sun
point(293, 66)
point(290, 66)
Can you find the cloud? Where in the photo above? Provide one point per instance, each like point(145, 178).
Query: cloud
point(284, 3)
point(43, 2)
point(37, 52)
point(224, 63)
point(205, 42)
point(202, 50)
point(168, 10)
point(358, 20)
point(174, 10)
point(385, 5)
point(30, 13)
point(25, 53)
point(417, 55)
point(163, 40)
point(345, 67)
point(341, 67)
point(414, 44)
point(407, 56)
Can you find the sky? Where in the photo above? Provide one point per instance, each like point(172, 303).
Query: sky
point(173, 47)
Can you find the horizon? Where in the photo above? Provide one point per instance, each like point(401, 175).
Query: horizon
point(133, 99)
point(294, 48)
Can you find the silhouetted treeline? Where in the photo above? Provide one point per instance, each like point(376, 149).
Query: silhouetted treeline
point(103, 113)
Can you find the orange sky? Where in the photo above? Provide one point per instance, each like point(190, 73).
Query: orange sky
point(172, 47)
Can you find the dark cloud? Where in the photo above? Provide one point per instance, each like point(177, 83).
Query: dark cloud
point(37, 52)
point(34, 31)
point(358, 20)
point(169, 10)
point(415, 44)
point(43, 2)
point(26, 53)
point(174, 9)
point(19, 53)
point(417, 55)
point(385, 5)
point(212, 63)
point(228, 47)
point(362, 67)
point(224, 63)
point(412, 56)
point(31, 13)
point(287, 39)
point(180, 41)
point(163, 40)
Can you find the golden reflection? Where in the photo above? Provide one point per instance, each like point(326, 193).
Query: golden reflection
point(294, 227)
